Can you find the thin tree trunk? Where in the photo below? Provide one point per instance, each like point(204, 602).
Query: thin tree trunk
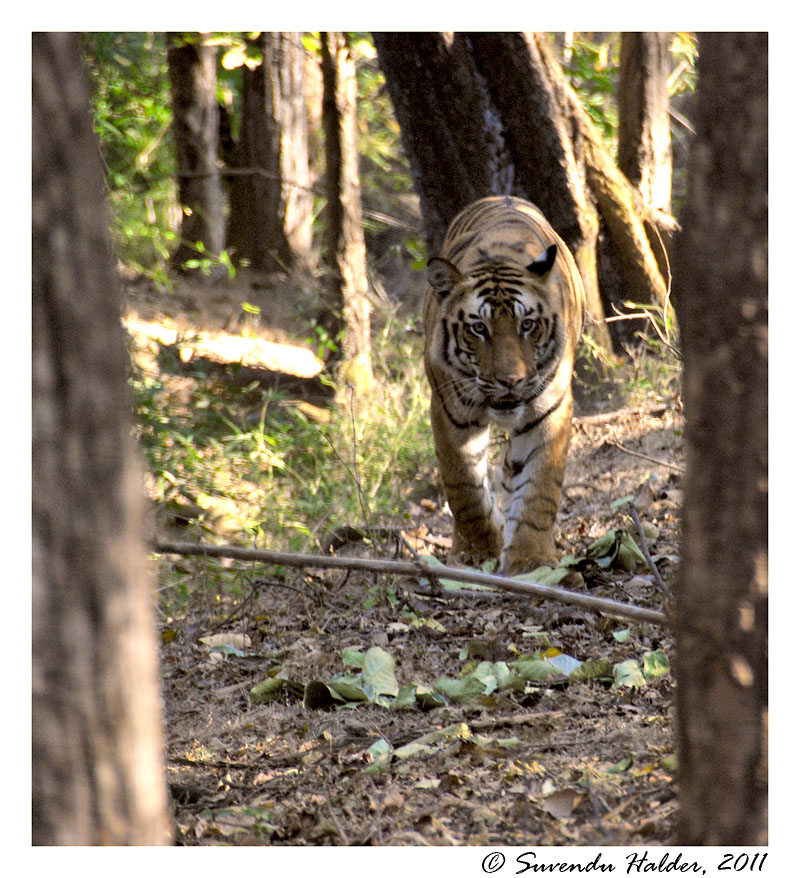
point(270, 213)
point(721, 594)
point(344, 249)
point(195, 113)
point(97, 745)
point(645, 149)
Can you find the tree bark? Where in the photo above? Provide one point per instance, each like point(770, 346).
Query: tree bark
point(549, 167)
point(637, 274)
point(644, 153)
point(450, 132)
point(193, 78)
point(490, 113)
point(721, 595)
point(97, 748)
point(270, 212)
point(348, 311)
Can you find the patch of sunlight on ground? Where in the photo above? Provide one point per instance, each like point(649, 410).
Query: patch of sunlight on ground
point(227, 348)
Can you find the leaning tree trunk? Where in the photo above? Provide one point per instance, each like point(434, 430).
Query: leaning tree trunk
point(271, 201)
point(195, 122)
point(644, 153)
point(97, 747)
point(635, 273)
point(721, 595)
point(348, 308)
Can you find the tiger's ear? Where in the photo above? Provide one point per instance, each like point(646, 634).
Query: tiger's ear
point(544, 263)
point(442, 275)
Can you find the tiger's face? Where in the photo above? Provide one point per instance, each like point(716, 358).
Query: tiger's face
point(501, 338)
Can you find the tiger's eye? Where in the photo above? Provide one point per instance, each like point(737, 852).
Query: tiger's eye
point(527, 325)
point(480, 329)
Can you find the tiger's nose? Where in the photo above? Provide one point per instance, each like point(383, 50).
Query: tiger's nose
point(510, 380)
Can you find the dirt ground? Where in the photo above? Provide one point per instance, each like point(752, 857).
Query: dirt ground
point(555, 762)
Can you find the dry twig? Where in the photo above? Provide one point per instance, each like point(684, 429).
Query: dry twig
point(672, 466)
point(645, 551)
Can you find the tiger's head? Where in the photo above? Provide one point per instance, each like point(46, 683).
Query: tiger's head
point(499, 336)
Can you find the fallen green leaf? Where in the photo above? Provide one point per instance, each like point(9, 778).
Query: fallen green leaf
point(536, 670)
point(544, 575)
point(623, 765)
point(348, 687)
point(352, 657)
point(266, 690)
point(628, 673)
point(591, 670)
point(381, 755)
point(655, 664)
point(453, 584)
point(462, 689)
point(378, 673)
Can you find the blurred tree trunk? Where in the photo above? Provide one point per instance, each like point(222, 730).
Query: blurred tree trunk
point(97, 747)
point(348, 311)
point(644, 153)
point(195, 114)
point(721, 596)
point(270, 212)
point(471, 130)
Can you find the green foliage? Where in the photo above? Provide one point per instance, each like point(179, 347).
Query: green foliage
point(383, 165)
point(591, 63)
point(684, 54)
point(130, 92)
point(259, 465)
point(592, 69)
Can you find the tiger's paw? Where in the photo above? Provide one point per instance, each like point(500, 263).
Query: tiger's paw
point(515, 560)
point(525, 565)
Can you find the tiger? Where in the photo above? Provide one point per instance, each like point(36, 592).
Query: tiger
point(502, 316)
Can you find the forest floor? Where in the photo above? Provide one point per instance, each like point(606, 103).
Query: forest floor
point(554, 760)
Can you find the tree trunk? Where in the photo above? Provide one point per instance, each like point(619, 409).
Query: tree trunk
point(645, 152)
point(721, 596)
point(489, 113)
point(97, 747)
point(344, 249)
point(636, 273)
point(195, 121)
point(549, 166)
point(451, 133)
point(270, 212)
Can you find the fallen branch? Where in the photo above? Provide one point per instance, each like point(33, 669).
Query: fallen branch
point(672, 466)
point(419, 571)
point(605, 417)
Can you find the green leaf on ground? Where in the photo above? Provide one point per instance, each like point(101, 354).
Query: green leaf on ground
point(628, 673)
point(655, 664)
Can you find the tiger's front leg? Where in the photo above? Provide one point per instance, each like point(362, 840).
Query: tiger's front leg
point(463, 465)
point(532, 474)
